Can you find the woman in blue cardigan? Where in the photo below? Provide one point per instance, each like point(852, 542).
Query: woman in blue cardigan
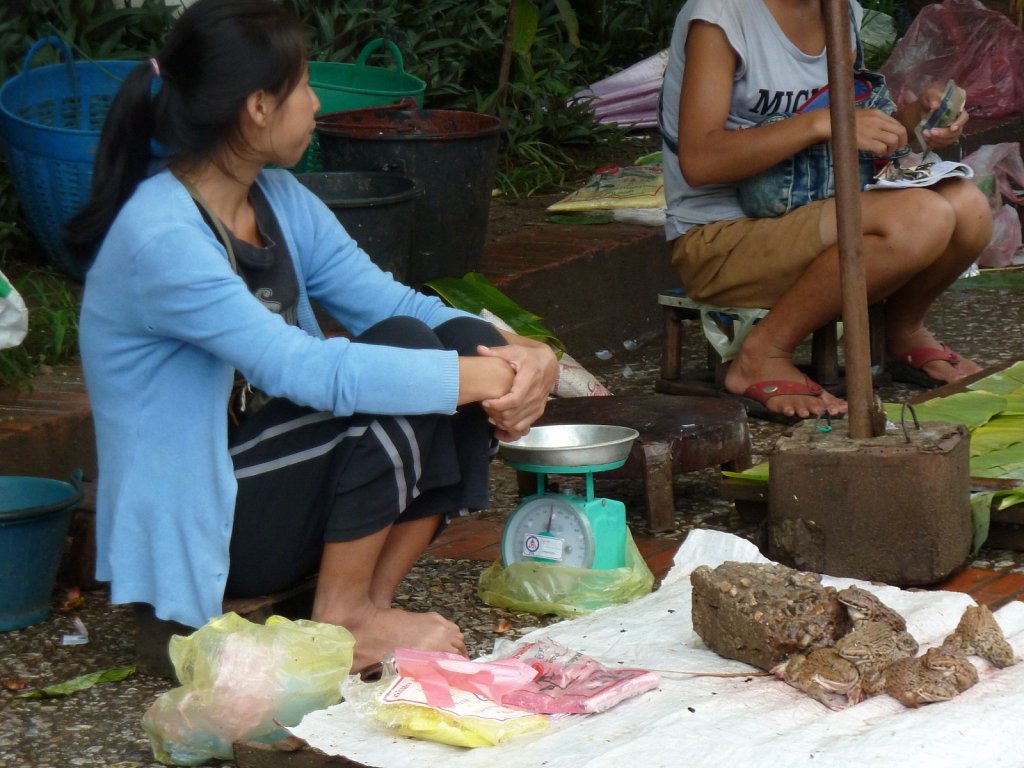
point(239, 450)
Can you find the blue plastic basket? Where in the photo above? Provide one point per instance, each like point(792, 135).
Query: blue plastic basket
point(50, 121)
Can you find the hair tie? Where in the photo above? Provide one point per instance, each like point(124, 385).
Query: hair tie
point(155, 65)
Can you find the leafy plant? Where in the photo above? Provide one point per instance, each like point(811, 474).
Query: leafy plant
point(52, 301)
point(468, 55)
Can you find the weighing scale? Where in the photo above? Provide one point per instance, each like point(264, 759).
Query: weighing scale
point(564, 528)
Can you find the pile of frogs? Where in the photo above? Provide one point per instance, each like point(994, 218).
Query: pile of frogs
point(840, 646)
point(878, 655)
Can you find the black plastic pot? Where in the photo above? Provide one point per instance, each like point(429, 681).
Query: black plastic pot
point(377, 209)
point(453, 154)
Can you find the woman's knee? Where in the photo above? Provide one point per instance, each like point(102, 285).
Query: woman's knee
point(972, 210)
point(465, 334)
point(916, 224)
point(401, 331)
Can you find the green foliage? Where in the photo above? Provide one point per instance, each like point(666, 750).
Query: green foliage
point(52, 302)
point(558, 47)
point(97, 29)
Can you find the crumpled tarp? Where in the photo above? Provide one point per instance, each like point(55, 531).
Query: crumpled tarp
point(715, 721)
point(629, 97)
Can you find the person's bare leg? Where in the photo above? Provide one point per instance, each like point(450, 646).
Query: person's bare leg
point(767, 351)
point(343, 597)
point(897, 247)
point(405, 543)
point(907, 307)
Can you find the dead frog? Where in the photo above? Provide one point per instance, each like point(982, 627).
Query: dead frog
point(938, 675)
point(823, 675)
point(862, 606)
point(979, 634)
point(871, 647)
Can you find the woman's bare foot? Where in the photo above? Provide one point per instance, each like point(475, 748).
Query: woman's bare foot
point(771, 374)
point(379, 631)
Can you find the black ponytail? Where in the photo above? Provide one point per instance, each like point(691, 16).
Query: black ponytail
point(185, 104)
point(122, 161)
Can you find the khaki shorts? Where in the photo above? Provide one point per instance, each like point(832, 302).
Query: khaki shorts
point(748, 262)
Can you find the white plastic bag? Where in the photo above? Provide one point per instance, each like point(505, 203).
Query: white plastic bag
point(13, 315)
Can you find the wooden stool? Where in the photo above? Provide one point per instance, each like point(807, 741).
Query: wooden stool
point(677, 434)
point(824, 365)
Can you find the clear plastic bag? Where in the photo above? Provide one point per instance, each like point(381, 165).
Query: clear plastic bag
point(961, 40)
point(243, 681)
point(543, 588)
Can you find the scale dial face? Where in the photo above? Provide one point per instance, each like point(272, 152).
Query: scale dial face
point(549, 528)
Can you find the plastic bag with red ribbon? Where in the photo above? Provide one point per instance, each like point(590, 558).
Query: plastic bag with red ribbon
point(961, 40)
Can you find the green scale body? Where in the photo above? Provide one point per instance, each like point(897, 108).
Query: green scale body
point(563, 528)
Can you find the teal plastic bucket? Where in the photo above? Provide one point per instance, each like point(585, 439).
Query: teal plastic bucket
point(34, 516)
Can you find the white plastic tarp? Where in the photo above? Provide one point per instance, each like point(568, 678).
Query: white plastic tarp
point(696, 721)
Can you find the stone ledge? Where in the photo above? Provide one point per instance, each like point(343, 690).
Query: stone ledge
point(47, 431)
point(593, 286)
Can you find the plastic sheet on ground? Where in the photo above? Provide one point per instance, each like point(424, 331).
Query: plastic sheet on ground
point(716, 721)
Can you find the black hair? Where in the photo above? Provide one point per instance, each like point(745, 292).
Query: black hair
point(185, 104)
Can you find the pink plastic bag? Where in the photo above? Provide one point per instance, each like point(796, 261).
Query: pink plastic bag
point(569, 682)
point(1006, 239)
point(961, 40)
point(999, 173)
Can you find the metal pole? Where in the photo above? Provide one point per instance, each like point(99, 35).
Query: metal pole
point(856, 335)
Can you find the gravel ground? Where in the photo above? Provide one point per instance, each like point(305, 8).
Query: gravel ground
point(100, 726)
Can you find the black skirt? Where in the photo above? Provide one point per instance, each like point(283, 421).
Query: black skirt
point(306, 477)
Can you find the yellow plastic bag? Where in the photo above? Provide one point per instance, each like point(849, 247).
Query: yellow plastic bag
point(400, 705)
point(541, 588)
point(243, 681)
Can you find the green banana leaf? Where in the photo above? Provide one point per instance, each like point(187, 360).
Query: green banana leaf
point(757, 474)
point(1000, 433)
point(981, 516)
point(81, 683)
point(1005, 462)
point(654, 158)
point(473, 293)
point(581, 218)
point(1002, 382)
point(972, 409)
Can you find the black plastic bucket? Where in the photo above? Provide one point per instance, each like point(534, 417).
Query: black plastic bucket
point(452, 153)
point(377, 209)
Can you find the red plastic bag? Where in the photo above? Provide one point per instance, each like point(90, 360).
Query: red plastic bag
point(961, 40)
